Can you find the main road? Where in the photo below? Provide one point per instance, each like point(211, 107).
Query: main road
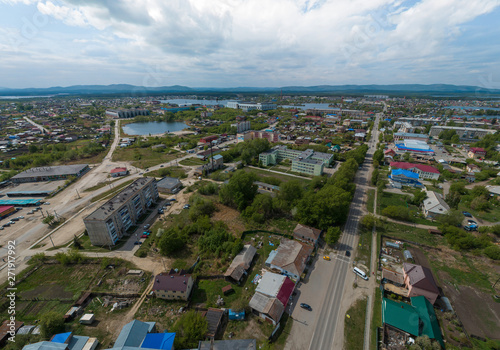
point(326, 323)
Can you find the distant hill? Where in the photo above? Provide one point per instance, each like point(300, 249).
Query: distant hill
point(126, 89)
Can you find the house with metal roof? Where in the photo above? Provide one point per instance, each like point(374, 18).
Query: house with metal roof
point(401, 177)
point(65, 341)
point(173, 286)
point(434, 205)
point(271, 296)
point(290, 258)
point(420, 282)
point(160, 341)
point(424, 171)
point(241, 263)
point(414, 320)
point(307, 234)
point(133, 333)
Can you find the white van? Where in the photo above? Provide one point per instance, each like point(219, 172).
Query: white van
point(360, 273)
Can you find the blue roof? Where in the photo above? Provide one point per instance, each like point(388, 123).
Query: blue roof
point(163, 341)
point(133, 333)
point(45, 345)
point(77, 342)
point(217, 156)
point(401, 146)
point(19, 201)
point(61, 337)
point(404, 172)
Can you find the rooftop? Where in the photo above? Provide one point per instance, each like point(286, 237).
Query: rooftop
point(168, 182)
point(61, 170)
point(175, 282)
point(291, 256)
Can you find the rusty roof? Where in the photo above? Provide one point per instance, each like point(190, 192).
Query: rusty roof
point(291, 256)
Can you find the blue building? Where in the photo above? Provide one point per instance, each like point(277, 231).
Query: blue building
point(402, 177)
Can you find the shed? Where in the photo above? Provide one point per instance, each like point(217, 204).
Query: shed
point(407, 255)
point(25, 330)
point(227, 289)
point(214, 318)
point(392, 245)
point(87, 319)
point(84, 299)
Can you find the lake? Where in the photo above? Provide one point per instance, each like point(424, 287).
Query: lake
point(146, 128)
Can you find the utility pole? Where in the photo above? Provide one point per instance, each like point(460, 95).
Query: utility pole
point(77, 193)
point(53, 245)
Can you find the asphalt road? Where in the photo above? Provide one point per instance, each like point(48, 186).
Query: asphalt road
point(323, 337)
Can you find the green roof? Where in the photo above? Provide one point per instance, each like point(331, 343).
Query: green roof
point(401, 316)
point(428, 316)
point(416, 319)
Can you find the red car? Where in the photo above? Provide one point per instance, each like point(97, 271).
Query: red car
point(144, 236)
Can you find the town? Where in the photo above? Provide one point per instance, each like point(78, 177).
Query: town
point(264, 221)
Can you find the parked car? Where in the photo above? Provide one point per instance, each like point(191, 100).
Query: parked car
point(6, 225)
point(14, 219)
point(137, 243)
point(471, 222)
point(466, 213)
point(327, 258)
point(186, 206)
point(144, 236)
point(147, 232)
point(46, 203)
point(306, 306)
point(161, 166)
point(470, 228)
point(20, 217)
point(147, 226)
point(173, 200)
point(1, 228)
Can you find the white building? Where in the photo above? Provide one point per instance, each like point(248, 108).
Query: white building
point(434, 205)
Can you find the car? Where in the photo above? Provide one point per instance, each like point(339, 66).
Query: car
point(1, 228)
point(147, 169)
point(470, 228)
point(141, 173)
point(144, 236)
point(306, 306)
point(168, 204)
point(173, 200)
point(137, 243)
point(466, 213)
point(147, 232)
point(20, 217)
point(471, 222)
point(186, 206)
point(160, 211)
point(147, 226)
point(161, 166)
point(6, 225)
point(326, 257)
point(38, 208)
point(347, 253)
point(14, 219)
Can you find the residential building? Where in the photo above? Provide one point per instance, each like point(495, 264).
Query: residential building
point(306, 162)
point(126, 113)
point(214, 163)
point(110, 222)
point(307, 234)
point(65, 341)
point(116, 172)
point(208, 139)
point(472, 168)
point(420, 281)
point(133, 334)
point(160, 341)
point(173, 286)
point(464, 133)
point(425, 172)
point(271, 297)
point(169, 185)
point(51, 173)
point(290, 258)
point(242, 126)
point(476, 152)
point(270, 136)
point(434, 205)
point(241, 263)
point(400, 177)
point(415, 320)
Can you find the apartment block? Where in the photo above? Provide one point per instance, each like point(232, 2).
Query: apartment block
point(110, 222)
point(305, 162)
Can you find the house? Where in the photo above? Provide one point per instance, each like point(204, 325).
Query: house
point(472, 168)
point(395, 277)
point(208, 139)
point(214, 163)
point(173, 286)
point(65, 341)
point(241, 263)
point(230, 344)
point(476, 152)
point(401, 177)
point(425, 172)
point(419, 281)
point(118, 172)
point(389, 152)
point(271, 297)
point(133, 333)
point(290, 258)
point(434, 205)
point(163, 341)
point(413, 320)
point(307, 234)
point(169, 185)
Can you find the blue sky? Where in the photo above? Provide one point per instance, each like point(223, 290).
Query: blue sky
point(231, 43)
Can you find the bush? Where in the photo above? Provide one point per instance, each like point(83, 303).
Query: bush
point(492, 252)
point(397, 212)
point(51, 323)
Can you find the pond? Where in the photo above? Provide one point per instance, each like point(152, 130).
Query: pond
point(146, 128)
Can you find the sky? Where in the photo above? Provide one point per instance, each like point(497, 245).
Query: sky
point(259, 43)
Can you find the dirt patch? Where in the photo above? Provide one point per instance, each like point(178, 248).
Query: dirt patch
point(231, 217)
point(477, 311)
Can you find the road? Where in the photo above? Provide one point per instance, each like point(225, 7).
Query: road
point(42, 129)
point(330, 315)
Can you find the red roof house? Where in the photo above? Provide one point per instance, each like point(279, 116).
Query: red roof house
point(425, 171)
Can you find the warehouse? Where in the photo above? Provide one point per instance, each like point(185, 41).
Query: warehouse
point(51, 173)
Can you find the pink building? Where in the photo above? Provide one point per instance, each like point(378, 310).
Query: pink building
point(419, 281)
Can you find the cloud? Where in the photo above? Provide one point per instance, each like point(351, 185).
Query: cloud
point(319, 41)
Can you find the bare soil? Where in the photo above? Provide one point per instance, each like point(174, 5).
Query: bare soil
point(47, 291)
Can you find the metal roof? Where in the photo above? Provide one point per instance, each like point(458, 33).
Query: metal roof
point(168, 182)
point(291, 256)
point(60, 170)
point(133, 333)
point(401, 316)
point(241, 262)
point(45, 345)
point(428, 316)
point(161, 341)
point(270, 284)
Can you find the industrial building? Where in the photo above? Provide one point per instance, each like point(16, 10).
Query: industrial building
point(249, 106)
point(110, 222)
point(51, 173)
point(126, 113)
point(305, 162)
point(465, 134)
point(414, 147)
point(169, 185)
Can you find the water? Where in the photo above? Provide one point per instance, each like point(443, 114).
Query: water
point(305, 106)
point(473, 108)
point(146, 128)
point(188, 102)
point(19, 97)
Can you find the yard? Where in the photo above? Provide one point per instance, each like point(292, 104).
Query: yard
point(354, 327)
point(173, 171)
point(386, 199)
point(193, 161)
point(491, 215)
point(409, 233)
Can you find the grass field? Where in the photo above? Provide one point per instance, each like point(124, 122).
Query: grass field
point(370, 202)
point(144, 157)
point(364, 249)
point(376, 318)
point(355, 325)
point(192, 161)
point(409, 233)
point(282, 177)
point(173, 171)
point(395, 199)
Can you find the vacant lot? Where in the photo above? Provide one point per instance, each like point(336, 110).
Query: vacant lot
point(355, 325)
point(231, 217)
point(144, 157)
point(410, 233)
point(263, 174)
point(395, 199)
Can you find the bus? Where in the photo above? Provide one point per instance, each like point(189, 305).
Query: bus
point(360, 273)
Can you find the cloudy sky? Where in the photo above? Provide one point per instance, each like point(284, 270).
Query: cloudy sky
point(230, 43)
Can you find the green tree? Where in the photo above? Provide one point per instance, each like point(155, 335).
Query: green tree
point(240, 191)
point(172, 241)
point(190, 329)
point(332, 235)
point(51, 323)
point(368, 221)
point(452, 218)
point(33, 149)
point(290, 193)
